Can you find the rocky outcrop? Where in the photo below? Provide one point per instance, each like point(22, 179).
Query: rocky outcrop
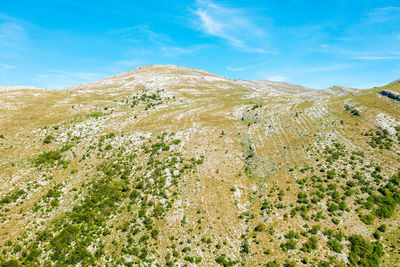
point(390, 94)
point(252, 117)
point(347, 106)
point(353, 110)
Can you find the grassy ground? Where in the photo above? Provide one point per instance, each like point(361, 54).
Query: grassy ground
point(166, 165)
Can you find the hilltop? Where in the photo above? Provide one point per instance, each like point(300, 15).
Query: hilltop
point(167, 165)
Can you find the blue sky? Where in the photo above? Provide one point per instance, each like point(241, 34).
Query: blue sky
point(315, 43)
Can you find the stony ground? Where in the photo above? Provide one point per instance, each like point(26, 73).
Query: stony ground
point(167, 165)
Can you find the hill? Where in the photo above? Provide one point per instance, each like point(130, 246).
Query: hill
point(167, 165)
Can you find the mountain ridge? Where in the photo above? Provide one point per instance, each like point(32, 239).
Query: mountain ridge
point(174, 166)
point(188, 70)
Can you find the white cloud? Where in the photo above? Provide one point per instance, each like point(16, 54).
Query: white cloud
point(15, 43)
point(10, 31)
point(232, 25)
point(384, 14)
point(12, 36)
point(174, 51)
point(148, 42)
point(6, 66)
point(142, 33)
point(376, 57)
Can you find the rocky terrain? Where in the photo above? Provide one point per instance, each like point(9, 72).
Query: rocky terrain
point(167, 165)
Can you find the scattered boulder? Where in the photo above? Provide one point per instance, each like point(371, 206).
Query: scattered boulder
point(347, 106)
point(252, 117)
point(353, 110)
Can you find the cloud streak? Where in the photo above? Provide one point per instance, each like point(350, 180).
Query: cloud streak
point(376, 57)
point(10, 33)
point(13, 35)
point(384, 14)
point(232, 25)
point(149, 42)
point(140, 33)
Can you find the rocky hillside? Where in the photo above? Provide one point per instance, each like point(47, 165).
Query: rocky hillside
point(166, 165)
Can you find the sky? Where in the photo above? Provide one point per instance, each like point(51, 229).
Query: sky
point(315, 43)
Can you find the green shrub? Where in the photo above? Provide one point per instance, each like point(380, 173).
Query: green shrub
point(314, 229)
point(50, 157)
point(222, 260)
point(154, 233)
point(266, 205)
point(290, 244)
point(290, 263)
point(364, 253)
point(367, 219)
point(95, 115)
point(335, 221)
point(334, 245)
point(11, 263)
point(260, 228)
point(302, 198)
point(273, 263)
point(245, 248)
point(382, 228)
point(48, 139)
point(310, 245)
point(333, 207)
point(292, 234)
point(13, 196)
point(331, 174)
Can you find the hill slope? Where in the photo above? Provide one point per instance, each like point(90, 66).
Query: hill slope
point(171, 165)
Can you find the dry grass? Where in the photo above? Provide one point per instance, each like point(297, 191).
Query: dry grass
point(290, 131)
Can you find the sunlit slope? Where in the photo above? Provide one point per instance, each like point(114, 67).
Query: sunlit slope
point(171, 165)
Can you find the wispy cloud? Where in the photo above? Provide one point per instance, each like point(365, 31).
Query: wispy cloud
point(6, 66)
point(384, 14)
point(148, 42)
point(173, 51)
point(140, 33)
point(230, 24)
point(373, 36)
point(13, 35)
point(376, 57)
